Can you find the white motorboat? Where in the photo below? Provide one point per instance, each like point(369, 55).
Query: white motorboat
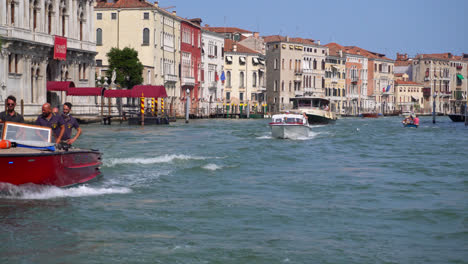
point(292, 126)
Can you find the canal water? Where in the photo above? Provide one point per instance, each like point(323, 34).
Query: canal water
point(224, 191)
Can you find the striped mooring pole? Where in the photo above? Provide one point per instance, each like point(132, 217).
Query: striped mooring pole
point(152, 105)
point(142, 109)
point(162, 106)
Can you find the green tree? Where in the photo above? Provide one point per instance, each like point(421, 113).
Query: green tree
point(127, 66)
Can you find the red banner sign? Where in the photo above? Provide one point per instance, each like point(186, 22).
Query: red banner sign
point(60, 48)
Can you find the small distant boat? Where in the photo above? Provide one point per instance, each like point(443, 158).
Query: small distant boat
point(292, 126)
point(457, 117)
point(410, 125)
point(32, 158)
point(370, 115)
point(317, 109)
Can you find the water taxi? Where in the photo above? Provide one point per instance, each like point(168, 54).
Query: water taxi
point(317, 109)
point(27, 155)
point(292, 126)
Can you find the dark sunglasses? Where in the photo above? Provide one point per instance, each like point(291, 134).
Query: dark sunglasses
point(11, 104)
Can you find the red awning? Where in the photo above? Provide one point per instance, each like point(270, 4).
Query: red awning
point(118, 93)
point(85, 91)
point(59, 86)
point(149, 91)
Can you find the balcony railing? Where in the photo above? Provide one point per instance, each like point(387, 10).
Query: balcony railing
point(299, 93)
point(213, 85)
point(262, 88)
point(170, 78)
point(188, 81)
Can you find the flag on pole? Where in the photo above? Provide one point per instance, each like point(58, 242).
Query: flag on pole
point(388, 88)
point(223, 77)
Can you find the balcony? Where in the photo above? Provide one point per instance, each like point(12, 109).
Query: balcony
point(427, 92)
point(262, 88)
point(459, 95)
point(459, 67)
point(170, 78)
point(299, 72)
point(212, 85)
point(308, 90)
point(189, 81)
point(299, 93)
point(334, 80)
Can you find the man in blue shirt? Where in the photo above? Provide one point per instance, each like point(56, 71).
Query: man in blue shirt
point(11, 114)
point(52, 120)
point(70, 123)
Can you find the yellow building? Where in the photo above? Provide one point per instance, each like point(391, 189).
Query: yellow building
point(335, 79)
point(409, 96)
point(153, 32)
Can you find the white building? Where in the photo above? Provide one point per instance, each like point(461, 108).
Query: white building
point(212, 88)
point(28, 31)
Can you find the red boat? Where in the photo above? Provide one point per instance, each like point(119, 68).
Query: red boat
point(36, 161)
point(370, 115)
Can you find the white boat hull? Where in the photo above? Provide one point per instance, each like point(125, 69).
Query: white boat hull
point(290, 131)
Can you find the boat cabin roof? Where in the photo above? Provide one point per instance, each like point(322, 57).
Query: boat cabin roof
point(300, 102)
point(288, 118)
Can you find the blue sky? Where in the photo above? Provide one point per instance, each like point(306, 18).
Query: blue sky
point(411, 26)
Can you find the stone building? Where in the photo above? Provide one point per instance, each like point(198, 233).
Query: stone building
point(47, 41)
point(212, 88)
point(150, 30)
point(245, 77)
point(335, 77)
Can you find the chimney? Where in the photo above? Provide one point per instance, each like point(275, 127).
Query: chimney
point(156, 4)
point(256, 35)
point(341, 53)
point(174, 13)
point(318, 42)
point(287, 38)
point(234, 47)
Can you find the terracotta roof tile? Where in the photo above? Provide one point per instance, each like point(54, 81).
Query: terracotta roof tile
point(400, 82)
point(123, 4)
point(277, 38)
point(226, 29)
point(228, 47)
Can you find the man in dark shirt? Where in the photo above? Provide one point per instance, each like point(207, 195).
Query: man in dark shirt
point(70, 123)
point(54, 121)
point(11, 115)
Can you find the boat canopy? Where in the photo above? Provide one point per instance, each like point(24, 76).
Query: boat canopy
point(288, 118)
point(306, 102)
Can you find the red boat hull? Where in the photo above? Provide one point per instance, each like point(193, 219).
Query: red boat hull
point(59, 168)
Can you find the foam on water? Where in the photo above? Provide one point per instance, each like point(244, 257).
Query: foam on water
point(162, 159)
point(40, 192)
point(212, 167)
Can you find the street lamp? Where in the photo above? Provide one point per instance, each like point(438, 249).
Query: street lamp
point(187, 102)
point(434, 107)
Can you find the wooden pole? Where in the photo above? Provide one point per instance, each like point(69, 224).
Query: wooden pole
point(142, 109)
point(22, 107)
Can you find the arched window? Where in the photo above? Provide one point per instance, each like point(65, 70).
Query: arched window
point(241, 79)
point(146, 36)
point(99, 37)
point(49, 20)
point(323, 65)
point(315, 64)
point(228, 79)
point(12, 15)
point(282, 86)
point(63, 21)
point(254, 79)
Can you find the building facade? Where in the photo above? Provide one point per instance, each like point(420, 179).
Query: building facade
point(190, 50)
point(335, 77)
point(409, 97)
point(153, 32)
point(244, 68)
point(212, 87)
point(31, 32)
point(444, 79)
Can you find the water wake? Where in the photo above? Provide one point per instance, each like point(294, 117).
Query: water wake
point(212, 167)
point(40, 192)
point(160, 159)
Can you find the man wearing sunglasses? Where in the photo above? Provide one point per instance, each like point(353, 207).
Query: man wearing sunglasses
point(11, 115)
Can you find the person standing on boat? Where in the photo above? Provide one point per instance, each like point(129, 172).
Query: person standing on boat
point(52, 120)
point(70, 123)
point(10, 114)
point(416, 120)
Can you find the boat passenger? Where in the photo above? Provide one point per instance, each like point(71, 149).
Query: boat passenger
point(54, 121)
point(70, 123)
point(10, 114)
point(416, 120)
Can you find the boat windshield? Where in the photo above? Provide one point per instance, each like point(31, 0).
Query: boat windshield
point(17, 132)
point(308, 102)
